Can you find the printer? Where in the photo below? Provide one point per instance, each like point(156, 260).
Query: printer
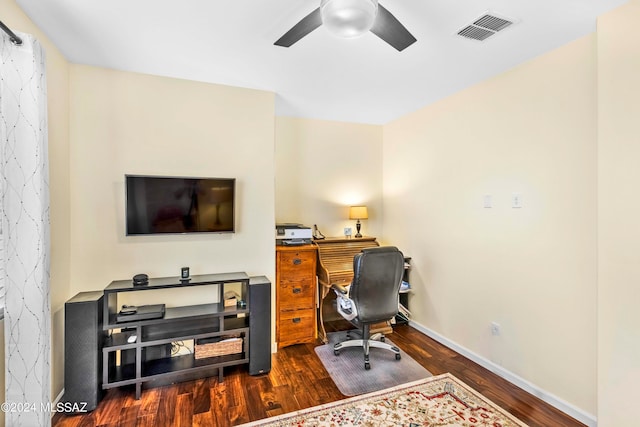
point(293, 234)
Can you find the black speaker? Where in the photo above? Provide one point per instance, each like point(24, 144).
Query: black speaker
point(83, 338)
point(259, 325)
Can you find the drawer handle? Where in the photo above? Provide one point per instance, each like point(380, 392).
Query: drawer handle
point(296, 320)
point(297, 261)
point(297, 290)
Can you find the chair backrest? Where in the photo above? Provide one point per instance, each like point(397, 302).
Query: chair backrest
point(377, 274)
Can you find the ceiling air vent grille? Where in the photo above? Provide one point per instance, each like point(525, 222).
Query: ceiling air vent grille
point(484, 27)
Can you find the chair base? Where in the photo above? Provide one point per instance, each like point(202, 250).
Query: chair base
point(365, 345)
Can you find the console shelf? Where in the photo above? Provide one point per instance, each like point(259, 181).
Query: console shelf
point(143, 361)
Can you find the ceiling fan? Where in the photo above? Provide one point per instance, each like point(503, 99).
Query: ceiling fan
point(351, 18)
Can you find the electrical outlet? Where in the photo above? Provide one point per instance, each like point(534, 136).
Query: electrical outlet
point(495, 329)
point(181, 348)
point(516, 200)
point(347, 231)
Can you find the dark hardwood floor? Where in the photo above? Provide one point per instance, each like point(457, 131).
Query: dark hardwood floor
point(297, 380)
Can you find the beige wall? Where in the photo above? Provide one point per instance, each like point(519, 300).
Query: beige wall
point(532, 270)
point(127, 123)
point(322, 167)
point(58, 117)
point(618, 213)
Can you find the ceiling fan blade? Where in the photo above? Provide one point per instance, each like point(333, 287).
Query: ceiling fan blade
point(301, 29)
point(389, 29)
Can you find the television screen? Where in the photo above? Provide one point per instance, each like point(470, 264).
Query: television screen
point(158, 204)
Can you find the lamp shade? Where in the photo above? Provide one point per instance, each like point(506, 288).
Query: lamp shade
point(358, 212)
point(348, 18)
point(220, 194)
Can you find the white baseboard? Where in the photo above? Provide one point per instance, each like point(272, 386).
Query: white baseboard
point(567, 408)
point(55, 402)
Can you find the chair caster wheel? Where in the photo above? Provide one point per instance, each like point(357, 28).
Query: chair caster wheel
point(367, 365)
point(398, 357)
point(336, 353)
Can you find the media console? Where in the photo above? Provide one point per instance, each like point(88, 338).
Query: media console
point(126, 361)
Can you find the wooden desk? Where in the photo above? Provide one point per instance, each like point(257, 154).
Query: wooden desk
point(335, 265)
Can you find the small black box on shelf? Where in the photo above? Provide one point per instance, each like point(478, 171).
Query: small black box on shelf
point(140, 280)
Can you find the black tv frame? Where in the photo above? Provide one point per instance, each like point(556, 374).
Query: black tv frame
point(179, 221)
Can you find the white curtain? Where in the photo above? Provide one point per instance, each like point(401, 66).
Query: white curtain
point(25, 229)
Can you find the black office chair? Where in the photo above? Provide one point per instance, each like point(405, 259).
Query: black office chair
point(372, 296)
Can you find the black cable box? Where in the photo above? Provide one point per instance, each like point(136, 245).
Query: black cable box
point(143, 312)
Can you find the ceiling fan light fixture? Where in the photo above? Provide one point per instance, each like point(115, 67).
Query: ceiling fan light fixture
point(348, 18)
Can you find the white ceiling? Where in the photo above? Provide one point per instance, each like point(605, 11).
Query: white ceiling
point(363, 80)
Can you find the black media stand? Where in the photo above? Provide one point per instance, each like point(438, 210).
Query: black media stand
point(146, 360)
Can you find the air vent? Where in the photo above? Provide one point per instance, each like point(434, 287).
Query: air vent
point(484, 27)
point(475, 33)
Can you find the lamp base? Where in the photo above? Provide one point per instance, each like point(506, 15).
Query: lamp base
point(358, 225)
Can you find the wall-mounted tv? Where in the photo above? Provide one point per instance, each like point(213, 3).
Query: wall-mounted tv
point(162, 204)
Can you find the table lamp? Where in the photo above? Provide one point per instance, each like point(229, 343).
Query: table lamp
point(217, 196)
point(358, 212)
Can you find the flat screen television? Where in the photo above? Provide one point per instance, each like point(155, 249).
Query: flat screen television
point(171, 205)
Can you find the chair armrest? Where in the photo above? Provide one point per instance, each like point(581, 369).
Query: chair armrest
point(339, 289)
point(344, 304)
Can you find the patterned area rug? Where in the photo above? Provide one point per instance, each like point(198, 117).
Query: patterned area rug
point(348, 373)
point(436, 401)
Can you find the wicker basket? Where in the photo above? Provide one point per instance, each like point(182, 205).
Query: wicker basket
point(220, 348)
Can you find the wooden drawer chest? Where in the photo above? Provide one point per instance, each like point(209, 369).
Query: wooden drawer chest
point(296, 292)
